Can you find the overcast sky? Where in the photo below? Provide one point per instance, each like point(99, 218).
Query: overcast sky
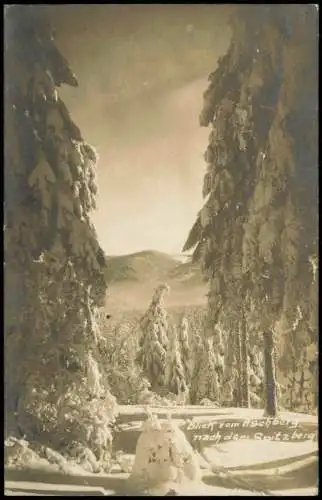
point(142, 70)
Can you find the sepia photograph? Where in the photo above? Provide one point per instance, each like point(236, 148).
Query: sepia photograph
point(161, 212)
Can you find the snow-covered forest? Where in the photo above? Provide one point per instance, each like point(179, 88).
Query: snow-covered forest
point(77, 371)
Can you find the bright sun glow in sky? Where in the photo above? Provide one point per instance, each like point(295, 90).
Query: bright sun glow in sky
point(142, 74)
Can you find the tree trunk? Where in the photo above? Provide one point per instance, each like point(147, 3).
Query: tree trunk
point(270, 380)
point(245, 394)
point(238, 390)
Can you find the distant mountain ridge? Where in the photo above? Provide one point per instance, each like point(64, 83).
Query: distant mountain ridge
point(132, 278)
point(140, 266)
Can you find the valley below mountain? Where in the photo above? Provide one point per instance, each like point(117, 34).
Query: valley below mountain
point(132, 278)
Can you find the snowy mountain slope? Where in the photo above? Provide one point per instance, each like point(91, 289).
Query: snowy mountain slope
point(142, 266)
point(132, 279)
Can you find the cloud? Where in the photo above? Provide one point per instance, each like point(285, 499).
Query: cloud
point(142, 75)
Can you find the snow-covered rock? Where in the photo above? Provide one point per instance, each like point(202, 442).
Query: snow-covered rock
point(164, 458)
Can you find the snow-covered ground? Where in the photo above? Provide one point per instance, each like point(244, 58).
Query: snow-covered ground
point(255, 454)
point(232, 468)
point(205, 411)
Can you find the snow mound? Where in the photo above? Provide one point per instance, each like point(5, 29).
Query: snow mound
point(164, 458)
point(17, 453)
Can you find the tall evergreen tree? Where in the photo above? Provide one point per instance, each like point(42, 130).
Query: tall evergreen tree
point(54, 266)
point(175, 372)
point(153, 343)
point(206, 384)
point(270, 378)
point(256, 235)
point(197, 349)
point(185, 347)
point(281, 231)
point(244, 339)
point(256, 377)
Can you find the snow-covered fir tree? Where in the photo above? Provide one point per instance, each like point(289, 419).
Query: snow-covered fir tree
point(270, 389)
point(175, 372)
point(256, 236)
point(197, 349)
point(300, 382)
point(219, 351)
point(206, 384)
point(185, 347)
point(230, 374)
point(256, 377)
point(54, 266)
point(153, 343)
point(124, 376)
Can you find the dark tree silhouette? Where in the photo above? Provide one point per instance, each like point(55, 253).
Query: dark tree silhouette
point(270, 378)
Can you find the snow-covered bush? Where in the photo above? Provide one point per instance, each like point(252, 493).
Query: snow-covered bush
point(80, 454)
point(21, 454)
point(148, 398)
point(124, 461)
point(207, 402)
point(127, 384)
point(18, 454)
